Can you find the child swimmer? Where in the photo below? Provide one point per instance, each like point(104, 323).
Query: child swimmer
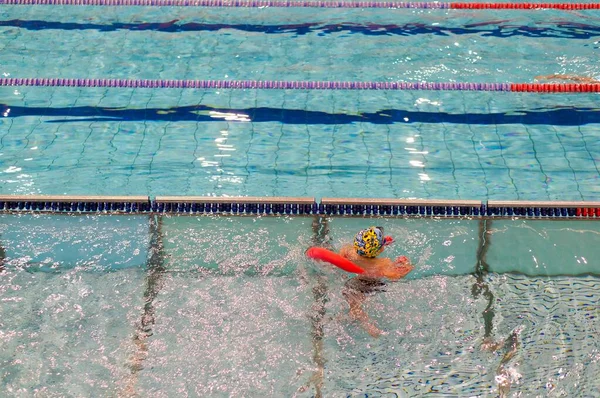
point(368, 244)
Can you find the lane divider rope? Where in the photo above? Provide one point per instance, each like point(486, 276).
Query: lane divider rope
point(303, 85)
point(311, 4)
point(300, 207)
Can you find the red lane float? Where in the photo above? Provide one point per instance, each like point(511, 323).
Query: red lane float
point(318, 253)
point(524, 6)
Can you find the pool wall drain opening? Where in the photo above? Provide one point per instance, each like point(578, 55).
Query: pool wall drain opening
point(311, 4)
point(298, 206)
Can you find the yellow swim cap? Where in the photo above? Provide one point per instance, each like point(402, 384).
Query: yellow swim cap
point(368, 242)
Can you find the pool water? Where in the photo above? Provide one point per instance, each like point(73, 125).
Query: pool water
point(229, 306)
point(441, 145)
point(149, 305)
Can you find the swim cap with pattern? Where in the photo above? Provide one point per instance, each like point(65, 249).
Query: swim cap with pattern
point(368, 242)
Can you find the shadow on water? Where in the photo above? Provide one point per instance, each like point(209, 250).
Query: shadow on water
point(560, 116)
point(499, 29)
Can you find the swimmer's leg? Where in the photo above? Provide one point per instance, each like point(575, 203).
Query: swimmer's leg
point(511, 346)
point(357, 312)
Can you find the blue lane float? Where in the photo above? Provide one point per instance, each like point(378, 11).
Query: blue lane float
point(300, 206)
point(402, 207)
point(75, 204)
point(247, 205)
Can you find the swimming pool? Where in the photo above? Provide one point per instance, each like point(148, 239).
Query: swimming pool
point(444, 145)
point(159, 304)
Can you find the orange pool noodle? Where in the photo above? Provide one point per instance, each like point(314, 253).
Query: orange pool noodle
point(318, 253)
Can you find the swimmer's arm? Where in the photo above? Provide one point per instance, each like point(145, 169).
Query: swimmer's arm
point(379, 267)
point(387, 268)
point(347, 251)
point(401, 270)
point(398, 269)
point(579, 79)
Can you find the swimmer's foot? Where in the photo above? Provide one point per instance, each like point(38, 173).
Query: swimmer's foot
point(373, 330)
point(503, 381)
point(490, 345)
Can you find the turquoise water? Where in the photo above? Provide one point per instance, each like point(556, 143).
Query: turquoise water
point(232, 307)
point(449, 145)
point(228, 306)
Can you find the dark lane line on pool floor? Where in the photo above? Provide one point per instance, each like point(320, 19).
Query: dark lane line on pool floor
point(154, 281)
point(499, 29)
point(320, 237)
point(480, 287)
point(2, 258)
point(559, 116)
point(509, 344)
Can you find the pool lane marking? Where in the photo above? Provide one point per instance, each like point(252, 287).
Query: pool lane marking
point(481, 270)
point(320, 228)
point(2, 257)
point(511, 343)
point(155, 272)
